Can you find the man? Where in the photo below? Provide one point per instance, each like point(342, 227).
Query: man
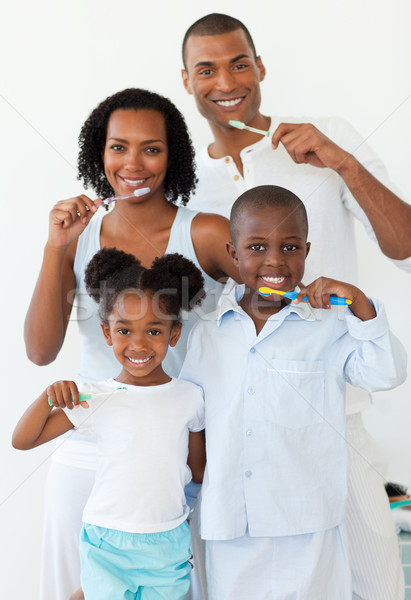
point(316, 161)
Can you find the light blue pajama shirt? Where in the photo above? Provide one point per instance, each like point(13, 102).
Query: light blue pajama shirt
point(277, 461)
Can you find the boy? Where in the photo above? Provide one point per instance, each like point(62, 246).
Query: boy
point(274, 375)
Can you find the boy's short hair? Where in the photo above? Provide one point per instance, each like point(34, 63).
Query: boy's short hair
point(263, 196)
point(216, 24)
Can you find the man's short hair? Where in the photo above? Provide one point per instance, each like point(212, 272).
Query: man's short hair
point(216, 24)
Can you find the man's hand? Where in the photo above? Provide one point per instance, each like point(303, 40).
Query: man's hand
point(306, 144)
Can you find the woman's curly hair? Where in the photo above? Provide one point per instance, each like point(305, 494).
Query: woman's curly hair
point(180, 179)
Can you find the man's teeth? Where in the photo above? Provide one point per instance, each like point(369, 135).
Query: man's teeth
point(137, 361)
point(275, 280)
point(228, 102)
point(133, 181)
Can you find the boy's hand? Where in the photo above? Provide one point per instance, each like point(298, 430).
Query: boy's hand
point(64, 394)
point(320, 290)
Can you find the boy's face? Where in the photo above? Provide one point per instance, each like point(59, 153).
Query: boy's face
point(270, 248)
point(224, 77)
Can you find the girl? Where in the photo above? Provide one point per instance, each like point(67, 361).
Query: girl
point(134, 139)
point(135, 536)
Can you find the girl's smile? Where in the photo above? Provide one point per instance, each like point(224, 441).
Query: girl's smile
point(136, 152)
point(140, 334)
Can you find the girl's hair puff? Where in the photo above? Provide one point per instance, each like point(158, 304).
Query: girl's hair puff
point(181, 280)
point(174, 279)
point(180, 179)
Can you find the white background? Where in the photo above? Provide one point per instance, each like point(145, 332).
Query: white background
point(60, 59)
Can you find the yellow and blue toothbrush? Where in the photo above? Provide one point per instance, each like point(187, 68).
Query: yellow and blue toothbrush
point(336, 300)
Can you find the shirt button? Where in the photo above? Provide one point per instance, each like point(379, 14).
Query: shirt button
point(248, 474)
point(227, 159)
point(249, 432)
point(236, 177)
point(252, 350)
point(250, 391)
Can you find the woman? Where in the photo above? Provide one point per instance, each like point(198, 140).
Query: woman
point(134, 139)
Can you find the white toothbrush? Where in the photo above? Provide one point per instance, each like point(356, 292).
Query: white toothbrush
point(108, 201)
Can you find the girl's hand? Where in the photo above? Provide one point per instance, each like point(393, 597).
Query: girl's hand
point(68, 219)
point(64, 394)
point(320, 290)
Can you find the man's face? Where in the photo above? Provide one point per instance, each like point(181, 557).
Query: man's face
point(224, 77)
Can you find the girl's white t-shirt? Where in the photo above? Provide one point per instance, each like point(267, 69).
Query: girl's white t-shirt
point(141, 433)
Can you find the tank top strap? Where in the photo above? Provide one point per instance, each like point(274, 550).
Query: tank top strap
point(180, 235)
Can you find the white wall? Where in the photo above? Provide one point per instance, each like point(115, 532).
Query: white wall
point(61, 58)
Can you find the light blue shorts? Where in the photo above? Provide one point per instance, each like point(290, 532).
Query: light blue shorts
point(116, 565)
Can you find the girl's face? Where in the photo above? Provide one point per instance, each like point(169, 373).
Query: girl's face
point(136, 152)
point(140, 334)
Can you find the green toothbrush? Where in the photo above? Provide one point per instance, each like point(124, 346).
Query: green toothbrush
point(85, 397)
point(241, 125)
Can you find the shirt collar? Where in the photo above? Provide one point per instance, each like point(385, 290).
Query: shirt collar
point(229, 302)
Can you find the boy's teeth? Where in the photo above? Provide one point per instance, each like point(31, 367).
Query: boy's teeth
point(274, 279)
point(228, 102)
point(139, 361)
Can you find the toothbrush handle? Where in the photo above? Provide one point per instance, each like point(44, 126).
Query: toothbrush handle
point(335, 300)
point(82, 397)
point(401, 503)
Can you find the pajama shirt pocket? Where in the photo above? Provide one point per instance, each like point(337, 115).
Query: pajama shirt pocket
point(295, 394)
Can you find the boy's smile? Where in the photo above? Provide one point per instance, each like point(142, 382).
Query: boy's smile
point(269, 249)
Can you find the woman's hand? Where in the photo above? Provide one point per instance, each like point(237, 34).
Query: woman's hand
point(68, 219)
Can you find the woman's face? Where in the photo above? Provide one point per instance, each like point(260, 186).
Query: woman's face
point(136, 152)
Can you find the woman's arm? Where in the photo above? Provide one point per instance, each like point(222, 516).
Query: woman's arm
point(50, 307)
point(196, 455)
point(210, 233)
point(40, 424)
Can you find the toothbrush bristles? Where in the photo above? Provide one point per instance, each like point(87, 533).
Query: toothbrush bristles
point(136, 193)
